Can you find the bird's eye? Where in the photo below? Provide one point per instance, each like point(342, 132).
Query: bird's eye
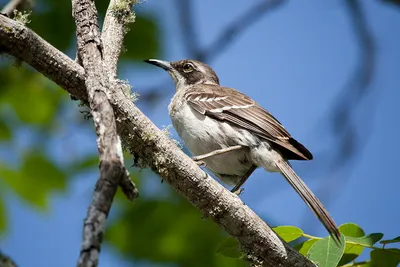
point(188, 67)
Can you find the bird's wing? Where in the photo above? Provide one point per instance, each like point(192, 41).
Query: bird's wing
point(229, 105)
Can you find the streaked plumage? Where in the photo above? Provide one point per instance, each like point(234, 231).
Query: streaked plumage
point(227, 104)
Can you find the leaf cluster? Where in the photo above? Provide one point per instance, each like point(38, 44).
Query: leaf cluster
point(326, 253)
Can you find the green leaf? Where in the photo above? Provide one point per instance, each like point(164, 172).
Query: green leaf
point(305, 246)
point(385, 257)
point(142, 41)
point(84, 164)
point(229, 248)
point(34, 98)
point(351, 251)
point(368, 240)
point(389, 241)
point(41, 169)
point(5, 132)
point(351, 229)
point(326, 253)
point(353, 233)
point(3, 222)
point(35, 179)
point(288, 233)
point(53, 22)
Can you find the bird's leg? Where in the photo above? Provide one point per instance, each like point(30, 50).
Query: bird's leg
point(237, 189)
point(215, 153)
point(200, 163)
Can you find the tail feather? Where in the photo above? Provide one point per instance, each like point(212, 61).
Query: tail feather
point(310, 199)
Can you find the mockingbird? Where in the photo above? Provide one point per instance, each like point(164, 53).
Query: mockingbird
point(231, 134)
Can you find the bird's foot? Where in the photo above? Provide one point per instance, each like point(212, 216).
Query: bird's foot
point(200, 163)
point(238, 192)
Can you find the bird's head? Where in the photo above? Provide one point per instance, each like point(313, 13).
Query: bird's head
point(187, 72)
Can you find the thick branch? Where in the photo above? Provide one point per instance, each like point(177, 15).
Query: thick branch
point(112, 170)
point(152, 148)
point(119, 14)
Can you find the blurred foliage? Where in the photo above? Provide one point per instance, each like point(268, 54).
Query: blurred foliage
point(168, 230)
point(34, 179)
point(32, 97)
point(156, 229)
point(144, 38)
point(2, 215)
point(5, 132)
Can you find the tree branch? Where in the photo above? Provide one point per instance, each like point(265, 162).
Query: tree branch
point(118, 15)
point(220, 44)
point(90, 53)
point(33, 55)
point(152, 148)
point(238, 26)
point(189, 33)
point(6, 261)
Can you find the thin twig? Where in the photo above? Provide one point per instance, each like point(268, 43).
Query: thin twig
point(238, 26)
point(353, 93)
point(186, 22)
point(225, 38)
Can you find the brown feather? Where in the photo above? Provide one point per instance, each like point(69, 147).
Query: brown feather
point(229, 105)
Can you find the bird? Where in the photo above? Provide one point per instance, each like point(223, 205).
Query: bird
point(232, 135)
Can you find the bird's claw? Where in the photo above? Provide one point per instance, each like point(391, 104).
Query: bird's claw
point(238, 192)
point(200, 163)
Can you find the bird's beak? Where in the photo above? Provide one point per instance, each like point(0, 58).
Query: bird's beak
point(160, 63)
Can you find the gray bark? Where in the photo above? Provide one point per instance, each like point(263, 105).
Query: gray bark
point(112, 170)
point(152, 148)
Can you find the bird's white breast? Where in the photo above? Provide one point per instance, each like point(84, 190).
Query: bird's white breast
point(202, 134)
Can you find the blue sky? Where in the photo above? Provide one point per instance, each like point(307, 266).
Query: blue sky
point(294, 62)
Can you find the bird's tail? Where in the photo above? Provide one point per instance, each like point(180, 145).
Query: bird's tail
point(309, 198)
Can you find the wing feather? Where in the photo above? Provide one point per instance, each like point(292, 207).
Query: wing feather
point(229, 105)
